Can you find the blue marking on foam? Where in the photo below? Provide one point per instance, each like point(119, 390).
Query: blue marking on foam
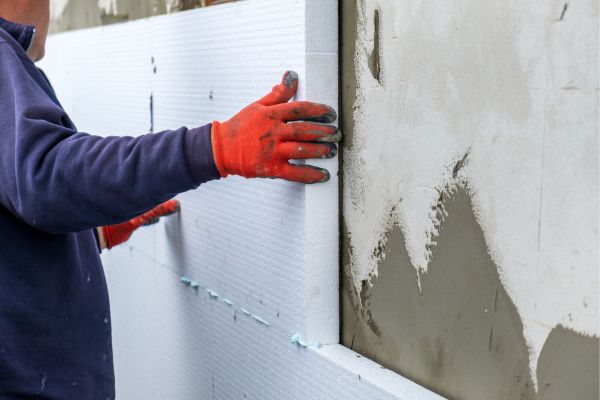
point(214, 295)
point(246, 312)
point(297, 340)
point(260, 320)
point(185, 280)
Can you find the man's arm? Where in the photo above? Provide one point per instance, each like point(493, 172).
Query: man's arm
point(59, 180)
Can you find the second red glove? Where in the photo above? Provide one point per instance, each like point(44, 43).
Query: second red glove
point(116, 234)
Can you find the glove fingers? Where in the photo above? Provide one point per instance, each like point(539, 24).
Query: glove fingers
point(307, 132)
point(304, 150)
point(303, 174)
point(304, 111)
point(168, 207)
point(283, 92)
point(119, 233)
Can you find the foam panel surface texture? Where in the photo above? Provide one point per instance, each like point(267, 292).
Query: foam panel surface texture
point(268, 247)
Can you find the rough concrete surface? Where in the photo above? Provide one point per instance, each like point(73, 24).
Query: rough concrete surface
point(499, 99)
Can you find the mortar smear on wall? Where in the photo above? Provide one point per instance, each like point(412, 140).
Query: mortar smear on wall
point(494, 97)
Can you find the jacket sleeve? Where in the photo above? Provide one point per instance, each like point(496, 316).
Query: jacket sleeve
point(60, 180)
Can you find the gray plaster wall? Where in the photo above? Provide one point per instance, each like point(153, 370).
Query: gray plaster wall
point(465, 320)
point(76, 14)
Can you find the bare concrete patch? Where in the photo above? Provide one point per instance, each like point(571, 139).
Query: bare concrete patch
point(461, 336)
point(348, 88)
point(375, 56)
point(568, 366)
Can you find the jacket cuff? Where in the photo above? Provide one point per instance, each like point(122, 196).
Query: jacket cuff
point(218, 150)
point(199, 154)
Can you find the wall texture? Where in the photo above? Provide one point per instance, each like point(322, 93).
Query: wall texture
point(470, 194)
point(71, 14)
point(263, 253)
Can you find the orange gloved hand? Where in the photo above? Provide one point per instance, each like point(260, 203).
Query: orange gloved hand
point(120, 233)
point(260, 140)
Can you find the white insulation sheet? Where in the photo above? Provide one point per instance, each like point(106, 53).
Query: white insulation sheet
point(264, 252)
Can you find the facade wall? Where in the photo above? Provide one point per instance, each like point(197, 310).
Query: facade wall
point(470, 194)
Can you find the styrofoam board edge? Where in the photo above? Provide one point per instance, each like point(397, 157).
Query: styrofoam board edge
point(369, 372)
point(322, 223)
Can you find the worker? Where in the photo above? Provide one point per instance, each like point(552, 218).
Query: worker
point(59, 185)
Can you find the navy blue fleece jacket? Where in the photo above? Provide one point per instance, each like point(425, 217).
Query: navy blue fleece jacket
point(56, 186)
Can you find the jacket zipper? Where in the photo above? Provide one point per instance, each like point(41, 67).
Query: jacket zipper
point(31, 41)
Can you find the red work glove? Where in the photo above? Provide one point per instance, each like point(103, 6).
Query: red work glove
point(117, 234)
point(261, 139)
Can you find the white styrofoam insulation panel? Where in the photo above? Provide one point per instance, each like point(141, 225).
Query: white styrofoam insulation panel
point(269, 247)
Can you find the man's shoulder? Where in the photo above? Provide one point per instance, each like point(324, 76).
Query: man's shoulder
point(8, 55)
point(3, 36)
point(12, 67)
point(7, 47)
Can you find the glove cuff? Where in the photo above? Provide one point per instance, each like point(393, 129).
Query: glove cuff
point(217, 148)
point(109, 241)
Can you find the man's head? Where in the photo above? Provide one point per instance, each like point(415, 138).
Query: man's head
point(30, 12)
